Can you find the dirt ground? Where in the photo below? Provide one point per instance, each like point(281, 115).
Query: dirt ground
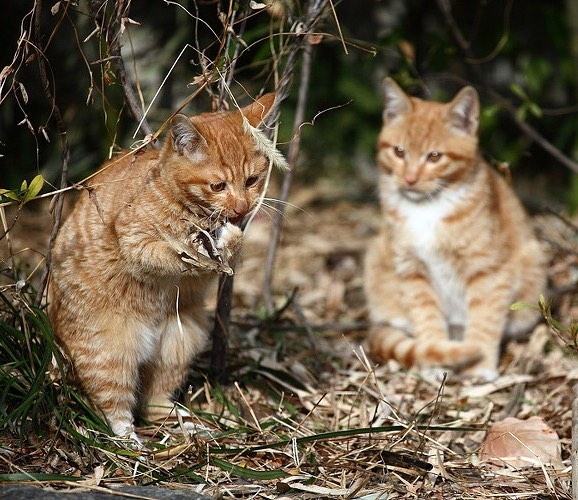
point(312, 350)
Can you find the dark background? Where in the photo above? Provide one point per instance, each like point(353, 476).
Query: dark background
point(519, 50)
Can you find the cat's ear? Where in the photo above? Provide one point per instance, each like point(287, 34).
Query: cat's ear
point(464, 111)
point(397, 103)
point(257, 111)
point(187, 140)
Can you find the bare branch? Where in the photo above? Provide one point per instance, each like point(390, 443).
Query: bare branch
point(445, 8)
point(288, 178)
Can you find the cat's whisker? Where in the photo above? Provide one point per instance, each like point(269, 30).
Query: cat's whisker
point(272, 208)
point(269, 211)
point(285, 203)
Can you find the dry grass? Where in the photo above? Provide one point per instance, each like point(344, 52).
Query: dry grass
point(304, 413)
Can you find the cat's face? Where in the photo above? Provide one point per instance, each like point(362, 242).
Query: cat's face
point(427, 146)
point(215, 164)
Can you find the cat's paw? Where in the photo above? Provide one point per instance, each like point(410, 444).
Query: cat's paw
point(126, 430)
point(229, 240)
point(484, 374)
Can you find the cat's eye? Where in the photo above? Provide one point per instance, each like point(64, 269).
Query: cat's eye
point(399, 151)
point(218, 186)
point(251, 181)
point(434, 156)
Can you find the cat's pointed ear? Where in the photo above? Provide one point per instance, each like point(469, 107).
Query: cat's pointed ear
point(397, 103)
point(187, 140)
point(257, 111)
point(464, 111)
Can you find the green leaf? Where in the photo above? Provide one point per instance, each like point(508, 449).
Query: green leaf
point(24, 185)
point(520, 306)
point(535, 109)
point(519, 91)
point(35, 187)
point(11, 195)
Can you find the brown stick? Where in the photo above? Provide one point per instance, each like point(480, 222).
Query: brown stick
point(575, 444)
point(222, 314)
point(464, 46)
point(314, 16)
point(57, 217)
point(288, 179)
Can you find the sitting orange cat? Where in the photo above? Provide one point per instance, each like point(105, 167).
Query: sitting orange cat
point(132, 263)
point(455, 248)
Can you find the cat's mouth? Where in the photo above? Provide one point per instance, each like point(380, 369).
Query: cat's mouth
point(236, 220)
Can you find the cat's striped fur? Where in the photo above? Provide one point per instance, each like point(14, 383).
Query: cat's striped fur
point(128, 284)
point(455, 248)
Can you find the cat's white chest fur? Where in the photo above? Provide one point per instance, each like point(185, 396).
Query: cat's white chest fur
point(423, 227)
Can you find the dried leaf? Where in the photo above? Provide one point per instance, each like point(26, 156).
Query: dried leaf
point(23, 92)
point(407, 49)
point(521, 443)
point(42, 130)
point(257, 5)
point(55, 8)
point(314, 39)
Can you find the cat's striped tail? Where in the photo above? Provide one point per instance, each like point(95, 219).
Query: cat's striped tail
point(390, 343)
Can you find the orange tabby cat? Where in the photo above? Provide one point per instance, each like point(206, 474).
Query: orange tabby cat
point(132, 263)
point(455, 248)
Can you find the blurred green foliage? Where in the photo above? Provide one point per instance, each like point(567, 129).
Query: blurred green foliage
point(524, 50)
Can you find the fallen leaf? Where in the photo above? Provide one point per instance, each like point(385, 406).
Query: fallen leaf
point(54, 9)
point(521, 443)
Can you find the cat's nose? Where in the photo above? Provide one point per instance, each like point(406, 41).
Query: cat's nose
point(241, 207)
point(410, 179)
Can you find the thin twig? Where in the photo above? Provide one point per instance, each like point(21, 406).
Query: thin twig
point(315, 9)
point(464, 46)
point(57, 217)
point(288, 178)
point(575, 444)
point(223, 311)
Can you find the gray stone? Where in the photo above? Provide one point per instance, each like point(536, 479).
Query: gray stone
point(26, 492)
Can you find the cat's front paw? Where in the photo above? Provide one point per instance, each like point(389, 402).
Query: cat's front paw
point(229, 240)
point(482, 372)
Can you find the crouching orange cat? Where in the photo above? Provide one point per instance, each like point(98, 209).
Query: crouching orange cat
point(455, 248)
point(132, 263)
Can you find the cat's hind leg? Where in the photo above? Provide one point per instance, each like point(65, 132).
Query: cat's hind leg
point(181, 340)
point(408, 324)
point(106, 362)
